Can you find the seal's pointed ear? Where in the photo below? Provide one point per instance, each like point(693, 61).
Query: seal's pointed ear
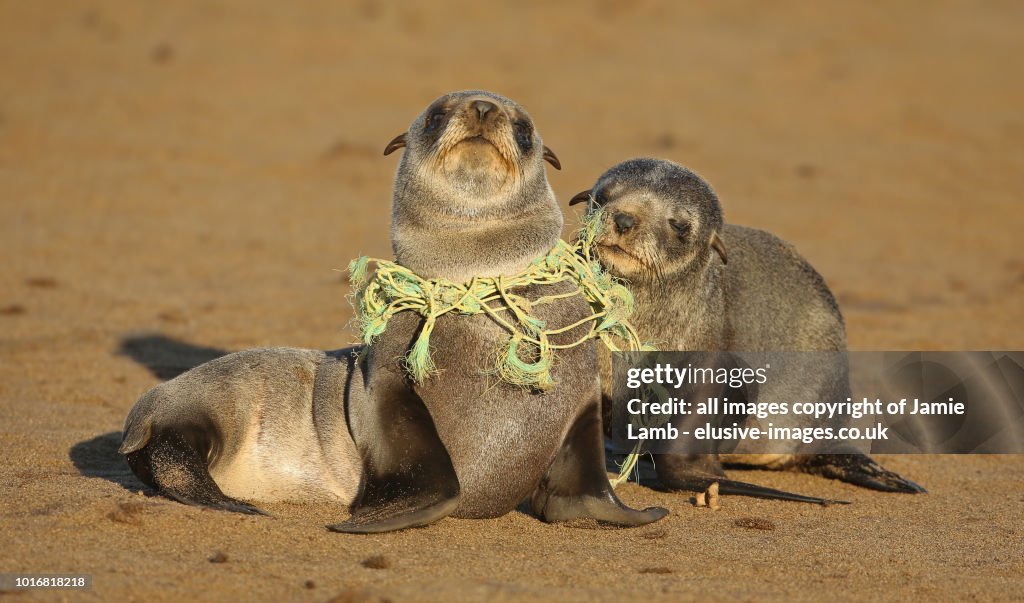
point(581, 197)
point(549, 156)
point(719, 246)
point(397, 143)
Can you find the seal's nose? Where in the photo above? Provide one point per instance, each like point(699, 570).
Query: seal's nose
point(623, 222)
point(483, 107)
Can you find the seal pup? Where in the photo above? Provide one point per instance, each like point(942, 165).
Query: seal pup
point(259, 425)
point(471, 198)
point(704, 285)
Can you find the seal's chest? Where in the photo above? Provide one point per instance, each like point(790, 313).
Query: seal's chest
point(501, 436)
point(480, 343)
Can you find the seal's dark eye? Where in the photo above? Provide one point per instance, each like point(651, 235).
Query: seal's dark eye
point(682, 228)
point(436, 118)
point(524, 134)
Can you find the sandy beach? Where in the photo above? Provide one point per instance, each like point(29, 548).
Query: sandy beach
point(182, 180)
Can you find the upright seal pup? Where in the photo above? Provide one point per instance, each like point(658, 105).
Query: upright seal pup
point(703, 285)
point(471, 199)
point(259, 425)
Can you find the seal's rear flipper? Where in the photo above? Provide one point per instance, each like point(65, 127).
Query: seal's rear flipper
point(408, 477)
point(695, 473)
point(857, 469)
point(697, 483)
point(174, 462)
point(576, 486)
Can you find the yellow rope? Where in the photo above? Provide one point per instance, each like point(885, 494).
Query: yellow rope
point(527, 356)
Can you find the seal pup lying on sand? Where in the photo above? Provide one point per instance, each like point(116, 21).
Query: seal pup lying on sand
point(702, 285)
point(471, 199)
point(259, 425)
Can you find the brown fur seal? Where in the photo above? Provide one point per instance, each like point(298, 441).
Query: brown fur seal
point(260, 425)
point(471, 198)
point(704, 285)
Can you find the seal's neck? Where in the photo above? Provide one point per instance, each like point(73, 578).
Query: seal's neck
point(685, 311)
point(457, 249)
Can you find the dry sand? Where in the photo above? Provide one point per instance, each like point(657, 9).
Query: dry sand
point(180, 179)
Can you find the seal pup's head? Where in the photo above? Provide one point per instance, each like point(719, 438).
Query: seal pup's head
point(659, 219)
point(471, 194)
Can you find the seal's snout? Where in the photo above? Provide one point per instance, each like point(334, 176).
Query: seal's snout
point(623, 222)
point(484, 107)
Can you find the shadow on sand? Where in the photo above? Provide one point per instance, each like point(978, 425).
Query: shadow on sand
point(98, 457)
point(165, 357)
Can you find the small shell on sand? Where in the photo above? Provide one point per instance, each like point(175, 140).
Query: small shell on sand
point(708, 498)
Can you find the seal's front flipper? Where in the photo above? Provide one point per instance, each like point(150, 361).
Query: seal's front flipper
point(174, 462)
point(408, 476)
point(857, 469)
point(696, 473)
point(576, 486)
point(377, 518)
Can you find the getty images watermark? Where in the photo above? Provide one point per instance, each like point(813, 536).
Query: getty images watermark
point(818, 402)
